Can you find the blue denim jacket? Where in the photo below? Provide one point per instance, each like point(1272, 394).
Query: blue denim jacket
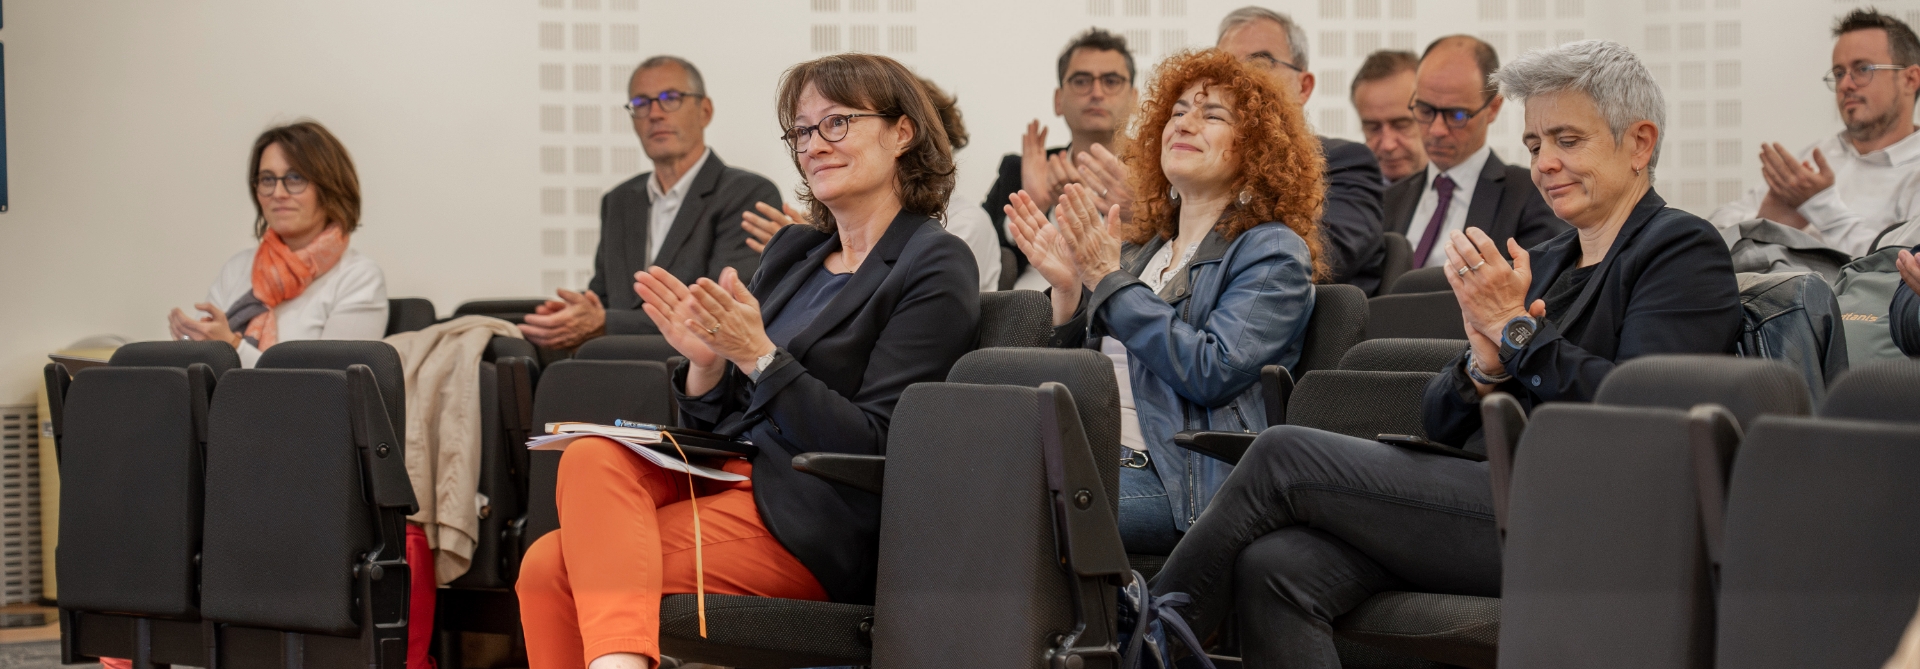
point(1196, 348)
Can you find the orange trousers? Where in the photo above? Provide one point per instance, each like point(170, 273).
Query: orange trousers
point(594, 586)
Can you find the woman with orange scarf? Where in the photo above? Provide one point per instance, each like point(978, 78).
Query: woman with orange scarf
point(302, 281)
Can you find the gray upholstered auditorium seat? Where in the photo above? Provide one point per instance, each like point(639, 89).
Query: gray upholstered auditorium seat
point(627, 347)
point(1399, 259)
point(510, 310)
point(1603, 564)
point(1424, 280)
point(1402, 355)
point(928, 426)
point(1884, 390)
point(590, 391)
point(509, 369)
point(1818, 551)
point(133, 474)
point(1014, 318)
point(1434, 315)
point(306, 500)
point(409, 314)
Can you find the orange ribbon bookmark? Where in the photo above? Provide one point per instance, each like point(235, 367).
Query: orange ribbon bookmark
point(699, 561)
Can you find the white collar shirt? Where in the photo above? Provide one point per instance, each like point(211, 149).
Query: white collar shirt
point(1870, 192)
point(666, 205)
point(1466, 177)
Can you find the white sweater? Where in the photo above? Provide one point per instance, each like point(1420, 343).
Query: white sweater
point(348, 302)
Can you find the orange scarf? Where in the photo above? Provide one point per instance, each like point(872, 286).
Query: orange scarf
point(281, 274)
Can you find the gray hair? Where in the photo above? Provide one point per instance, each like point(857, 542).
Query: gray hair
point(1607, 72)
point(693, 73)
point(1296, 36)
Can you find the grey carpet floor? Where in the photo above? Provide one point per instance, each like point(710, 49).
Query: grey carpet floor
point(35, 655)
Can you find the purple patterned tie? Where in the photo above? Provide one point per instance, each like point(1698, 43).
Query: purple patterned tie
point(1445, 186)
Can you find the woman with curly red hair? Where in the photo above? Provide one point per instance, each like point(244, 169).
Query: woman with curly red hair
point(1211, 280)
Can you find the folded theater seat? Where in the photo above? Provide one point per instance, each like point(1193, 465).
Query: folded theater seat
point(1810, 527)
point(131, 442)
point(306, 499)
point(968, 532)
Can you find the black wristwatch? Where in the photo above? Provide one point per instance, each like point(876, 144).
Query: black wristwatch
point(1515, 336)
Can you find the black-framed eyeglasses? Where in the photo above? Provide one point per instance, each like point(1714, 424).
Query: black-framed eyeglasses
point(832, 127)
point(265, 184)
point(668, 101)
point(1266, 61)
point(1862, 74)
point(1455, 117)
point(1081, 83)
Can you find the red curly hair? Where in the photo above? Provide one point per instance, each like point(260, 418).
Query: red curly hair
point(1282, 170)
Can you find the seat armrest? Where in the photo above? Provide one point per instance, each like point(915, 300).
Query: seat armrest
point(865, 472)
point(1226, 447)
point(1276, 386)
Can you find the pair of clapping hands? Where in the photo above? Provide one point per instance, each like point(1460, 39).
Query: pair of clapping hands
point(707, 321)
point(1491, 292)
point(1078, 248)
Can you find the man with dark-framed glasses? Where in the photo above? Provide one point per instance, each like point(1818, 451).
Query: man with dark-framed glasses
point(1464, 184)
point(683, 216)
point(1851, 190)
point(1095, 96)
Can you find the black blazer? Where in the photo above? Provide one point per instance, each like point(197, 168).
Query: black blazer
point(1351, 223)
point(1505, 205)
point(1665, 286)
point(706, 237)
point(905, 317)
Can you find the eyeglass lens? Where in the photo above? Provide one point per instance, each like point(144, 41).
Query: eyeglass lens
point(832, 128)
point(668, 101)
point(1083, 83)
point(268, 183)
point(1454, 116)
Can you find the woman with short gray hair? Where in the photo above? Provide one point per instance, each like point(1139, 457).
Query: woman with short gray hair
point(1313, 523)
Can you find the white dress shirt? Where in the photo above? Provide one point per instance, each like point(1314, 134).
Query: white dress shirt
point(1465, 176)
point(1155, 275)
point(971, 224)
point(666, 205)
point(1870, 192)
point(348, 302)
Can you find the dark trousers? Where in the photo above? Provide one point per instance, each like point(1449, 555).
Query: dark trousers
point(1310, 524)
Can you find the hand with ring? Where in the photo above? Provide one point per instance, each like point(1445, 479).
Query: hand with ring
point(670, 304)
point(1490, 291)
point(1104, 172)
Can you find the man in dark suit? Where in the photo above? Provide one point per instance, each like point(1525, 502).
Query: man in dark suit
point(1464, 184)
point(1351, 221)
point(683, 216)
point(1094, 96)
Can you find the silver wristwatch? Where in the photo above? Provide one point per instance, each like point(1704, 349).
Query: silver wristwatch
point(760, 365)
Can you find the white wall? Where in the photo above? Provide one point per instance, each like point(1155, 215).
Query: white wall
point(129, 122)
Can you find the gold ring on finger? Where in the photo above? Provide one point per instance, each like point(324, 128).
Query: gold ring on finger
point(713, 330)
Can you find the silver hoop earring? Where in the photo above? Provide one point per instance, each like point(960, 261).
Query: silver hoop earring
point(1245, 197)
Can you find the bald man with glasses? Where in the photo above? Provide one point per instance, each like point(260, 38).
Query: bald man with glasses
point(1464, 184)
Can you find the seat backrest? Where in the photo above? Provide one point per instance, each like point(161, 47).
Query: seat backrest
point(969, 510)
point(1747, 387)
point(286, 520)
point(1360, 404)
point(1881, 390)
point(626, 347)
point(1821, 561)
point(409, 314)
point(338, 355)
point(1603, 564)
point(217, 356)
point(1399, 259)
point(131, 490)
point(1085, 373)
point(1423, 280)
point(1415, 315)
point(1402, 355)
point(591, 391)
point(1014, 318)
point(511, 310)
point(1338, 322)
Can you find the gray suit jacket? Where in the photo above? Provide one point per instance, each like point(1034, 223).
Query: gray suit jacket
point(1505, 205)
point(706, 237)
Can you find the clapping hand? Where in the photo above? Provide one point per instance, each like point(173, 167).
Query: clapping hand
point(1490, 291)
point(1107, 176)
point(566, 322)
point(761, 227)
point(1036, 170)
point(1909, 270)
point(212, 327)
point(1791, 180)
point(1094, 240)
point(670, 305)
point(1047, 252)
